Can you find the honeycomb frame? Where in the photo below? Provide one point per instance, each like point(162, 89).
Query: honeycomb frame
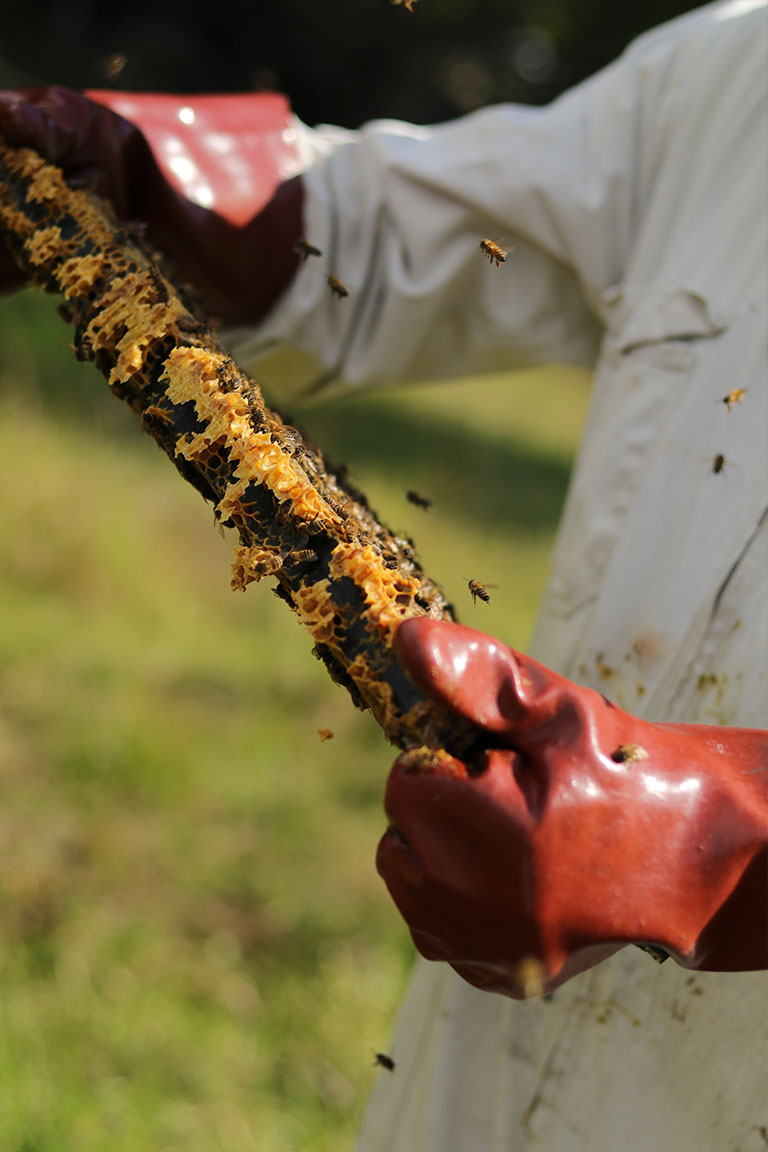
point(349, 579)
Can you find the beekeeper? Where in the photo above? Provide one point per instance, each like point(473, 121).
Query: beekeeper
point(620, 796)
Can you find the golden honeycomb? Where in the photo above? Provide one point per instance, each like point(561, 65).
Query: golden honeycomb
point(350, 581)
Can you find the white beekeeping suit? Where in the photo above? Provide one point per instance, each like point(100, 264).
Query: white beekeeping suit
point(636, 205)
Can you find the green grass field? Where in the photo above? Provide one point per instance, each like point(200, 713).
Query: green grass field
point(196, 952)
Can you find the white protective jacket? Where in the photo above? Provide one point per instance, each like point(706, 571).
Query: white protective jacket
point(636, 205)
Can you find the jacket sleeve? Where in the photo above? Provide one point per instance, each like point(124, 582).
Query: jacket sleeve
point(398, 212)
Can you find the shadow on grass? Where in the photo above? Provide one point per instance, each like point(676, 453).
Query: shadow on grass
point(489, 479)
point(480, 476)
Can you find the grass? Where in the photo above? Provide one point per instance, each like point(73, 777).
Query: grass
point(195, 950)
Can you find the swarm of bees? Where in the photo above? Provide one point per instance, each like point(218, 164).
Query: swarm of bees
point(338, 288)
point(493, 251)
point(305, 250)
point(496, 255)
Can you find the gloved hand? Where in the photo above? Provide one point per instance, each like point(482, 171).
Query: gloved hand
point(579, 829)
point(211, 177)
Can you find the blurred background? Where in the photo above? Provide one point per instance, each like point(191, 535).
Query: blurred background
point(195, 950)
point(341, 61)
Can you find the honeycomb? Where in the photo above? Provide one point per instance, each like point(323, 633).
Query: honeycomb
point(349, 580)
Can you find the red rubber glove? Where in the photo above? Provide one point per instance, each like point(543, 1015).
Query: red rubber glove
point(579, 829)
point(213, 178)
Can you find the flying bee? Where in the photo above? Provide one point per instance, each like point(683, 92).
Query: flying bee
point(717, 464)
point(305, 249)
point(493, 251)
point(219, 525)
point(111, 66)
point(384, 1061)
point(338, 287)
point(479, 591)
point(407, 4)
point(417, 499)
point(735, 396)
point(531, 976)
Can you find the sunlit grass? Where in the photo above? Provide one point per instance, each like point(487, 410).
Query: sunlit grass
point(195, 950)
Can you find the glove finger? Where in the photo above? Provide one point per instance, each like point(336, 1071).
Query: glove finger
point(461, 860)
point(456, 849)
point(37, 118)
point(506, 694)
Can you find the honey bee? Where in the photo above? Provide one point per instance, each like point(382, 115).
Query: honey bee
point(161, 415)
point(111, 66)
point(337, 287)
point(627, 752)
point(325, 734)
point(531, 976)
point(717, 464)
point(305, 249)
point(301, 556)
point(407, 4)
point(656, 953)
point(478, 591)
point(158, 283)
point(417, 499)
point(188, 324)
point(261, 562)
point(384, 1061)
point(495, 254)
point(735, 396)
